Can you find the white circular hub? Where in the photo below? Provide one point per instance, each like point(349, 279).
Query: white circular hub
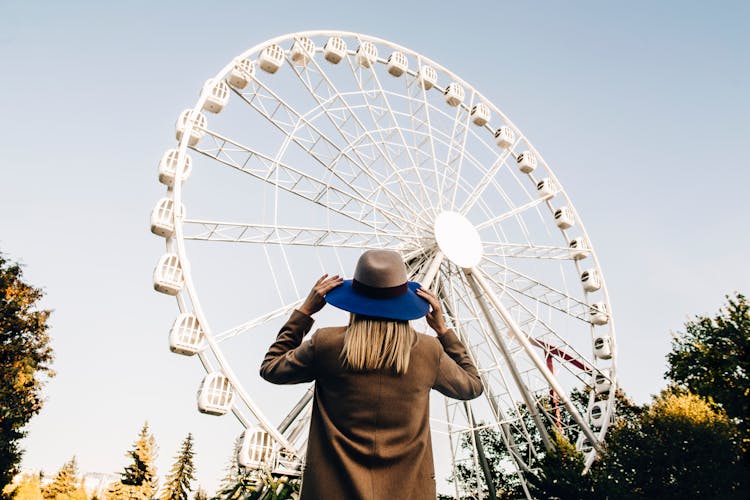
point(458, 239)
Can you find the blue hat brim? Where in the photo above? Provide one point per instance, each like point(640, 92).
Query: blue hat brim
point(403, 308)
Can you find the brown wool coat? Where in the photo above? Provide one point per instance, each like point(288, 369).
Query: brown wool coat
point(369, 432)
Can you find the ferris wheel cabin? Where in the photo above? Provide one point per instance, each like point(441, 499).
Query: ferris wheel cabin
point(427, 77)
point(526, 162)
point(168, 277)
point(480, 114)
point(602, 381)
point(367, 54)
point(397, 63)
point(334, 50)
point(215, 395)
point(241, 74)
point(217, 95)
point(198, 123)
point(271, 58)
point(505, 137)
point(186, 335)
point(599, 314)
point(302, 51)
point(546, 188)
point(162, 218)
point(168, 165)
point(579, 248)
point(564, 218)
point(591, 281)
point(603, 347)
point(454, 94)
point(256, 449)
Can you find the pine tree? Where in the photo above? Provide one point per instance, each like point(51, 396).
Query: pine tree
point(200, 494)
point(65, 483)
point(182, 473)
point(140, 475)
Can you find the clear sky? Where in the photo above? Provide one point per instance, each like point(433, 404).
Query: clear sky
point(641, 109)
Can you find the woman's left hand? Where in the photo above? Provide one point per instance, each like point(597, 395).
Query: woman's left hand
point(316, 299)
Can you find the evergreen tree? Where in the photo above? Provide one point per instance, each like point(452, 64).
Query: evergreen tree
point(65, 482)
point(140, 475)
point(182, 473)
point(561, 474)
point(25, 358)
point(200, 494)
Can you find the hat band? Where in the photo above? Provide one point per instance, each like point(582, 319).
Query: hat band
point(379, 293)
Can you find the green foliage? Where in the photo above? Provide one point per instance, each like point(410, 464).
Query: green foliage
point(560, 473)
point(182, 473)
point(680, 447)
point(65, 484)
point(240, 483)
point(25, 358)
point(712, 359)
point(26, 487)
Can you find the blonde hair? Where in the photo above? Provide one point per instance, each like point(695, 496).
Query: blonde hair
point(377, 343)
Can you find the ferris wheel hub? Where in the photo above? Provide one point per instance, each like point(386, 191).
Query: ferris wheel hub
point(458, 239)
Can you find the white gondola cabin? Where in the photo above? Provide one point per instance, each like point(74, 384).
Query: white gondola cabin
point(168, 277)
point(217, 95)
point(480, 114)
point(526, 162)
point(454, 94)
point(215, 395)
point(302, 51)
point(599, 313)
point(602, 382)
point(367, 54)
point(427, 77)
point(564, 218)
point(186, 335)
point(546, 188)
point(256, 449)
point(505, 137)
point(198, 122)
point(591, 280)
point(603, 347)
point(162, 218)
point(584, 445)
point(597, 413)
point(241, 74)
point(397, 63)
point(579, 248)
point(168, 164)
point(334, 50)
point(271, 58)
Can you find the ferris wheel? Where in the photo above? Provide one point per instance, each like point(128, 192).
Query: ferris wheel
point(312, 147)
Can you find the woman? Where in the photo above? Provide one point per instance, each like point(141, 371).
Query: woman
point(369, 430)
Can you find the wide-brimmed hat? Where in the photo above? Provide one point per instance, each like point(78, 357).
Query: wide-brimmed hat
point(380, 289)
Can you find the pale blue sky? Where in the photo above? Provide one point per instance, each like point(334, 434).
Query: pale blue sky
point(640, 108)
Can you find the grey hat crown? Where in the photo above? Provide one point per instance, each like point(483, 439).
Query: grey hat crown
point(380, 269)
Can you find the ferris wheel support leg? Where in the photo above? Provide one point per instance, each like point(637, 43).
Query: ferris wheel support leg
point(499, 414)
point(470, 277)
point(294, 413)
point(475, 276)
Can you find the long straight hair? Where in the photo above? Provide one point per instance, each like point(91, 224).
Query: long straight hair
point(376, 343)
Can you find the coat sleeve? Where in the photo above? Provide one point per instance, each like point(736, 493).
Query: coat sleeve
point(457, 377)
point(289, 360)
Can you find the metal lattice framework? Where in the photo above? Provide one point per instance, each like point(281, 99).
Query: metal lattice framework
point(312, 161)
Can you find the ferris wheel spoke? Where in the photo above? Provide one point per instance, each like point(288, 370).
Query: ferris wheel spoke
point(499, 341)
point(456, 146)
point(284, 310)
point(378, 92)
point(485, 292)
point(491, 394)
point(234, 232)
point(505, 277)
point(292, 180)
point(327, 96)
point(514, 212)
point(487, 179)
point(303, 132)
point(526, 251)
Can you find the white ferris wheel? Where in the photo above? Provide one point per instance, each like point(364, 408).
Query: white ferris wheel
point(312, 147)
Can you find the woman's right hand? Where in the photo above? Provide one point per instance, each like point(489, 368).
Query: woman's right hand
point(435, 316)
point(316, 299)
